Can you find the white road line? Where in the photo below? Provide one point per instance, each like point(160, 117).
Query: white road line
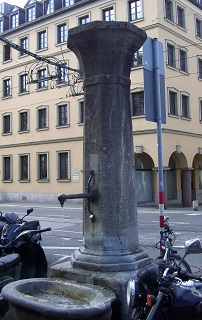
point(59, 248)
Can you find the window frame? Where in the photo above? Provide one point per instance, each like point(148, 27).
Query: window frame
point(180, 20)
point(42, 84)
point(20, 126)
point(62, 76)
point(42, 124)
point(6, 178)
point(23, 83)
point(6, 125)
point(108, 9)
point(170, 45)
point(200, 110)
point(138, 14)
point(61, 33)
point(24, 43)
point(6, 55)
point(200, 68)
point(176, 106)
point(40, 177)
point(81, 112)
point(183, 111)
point(183, 65)
point(14, 20)
point(83, 19)
point(198, 29)
point(60, 106)
point(42, 40)
point(70, 3)
point(31, 13)
point(167, 17)
point(7, 88)
point(61, 177)
point(21, 173)
point(141, 109)
point(138, 58)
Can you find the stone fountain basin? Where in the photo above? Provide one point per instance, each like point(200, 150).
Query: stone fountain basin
point(58, 299)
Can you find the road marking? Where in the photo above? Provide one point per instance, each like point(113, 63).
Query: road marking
point(193, 214)
point(59, 248)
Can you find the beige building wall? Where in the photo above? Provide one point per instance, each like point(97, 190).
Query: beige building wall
point(181, 136)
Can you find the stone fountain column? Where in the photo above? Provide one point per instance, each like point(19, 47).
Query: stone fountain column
point(110, 250)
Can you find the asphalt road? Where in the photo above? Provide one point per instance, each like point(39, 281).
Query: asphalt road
point(66, 224)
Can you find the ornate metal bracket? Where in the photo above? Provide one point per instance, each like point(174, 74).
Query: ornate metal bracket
point(91, 196)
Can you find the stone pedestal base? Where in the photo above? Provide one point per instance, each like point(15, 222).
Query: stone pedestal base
point(117, 281)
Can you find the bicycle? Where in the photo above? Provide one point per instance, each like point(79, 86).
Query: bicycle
point(169, 256)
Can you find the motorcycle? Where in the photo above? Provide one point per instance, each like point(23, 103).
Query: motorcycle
point(7, 275)
point(167, 293)
point(33, 259)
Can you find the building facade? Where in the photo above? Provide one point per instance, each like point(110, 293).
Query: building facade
point(42, 119)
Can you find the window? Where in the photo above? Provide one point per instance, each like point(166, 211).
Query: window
point(169, 10)
point(135, 10)
point(183, 61)
point(23, 121)
point(62, 33)
point(62, 75)
point(171, 61)
point(7, 168)
point(14, 20)
point(137, 103)
point(180, 17)
point(200, 110)
point(6, 53)
point(199, 68)
point(24, 45)
point(138, 58)
point(24, 167)
point(31, 14)
point(42, 40)
point(6, 124)
point(23, 83)
point(198, 28)
point(83, 20)
point(42, 82)
point(108, 14)
point(42, 118)
point(50, 8)
point(63, 114)
point(43, 166)
point(185, 106)
point(81, 112)
point(63, 165)
point(7, 88)
point(1, 26)
point(68, 3)
point(173, 103)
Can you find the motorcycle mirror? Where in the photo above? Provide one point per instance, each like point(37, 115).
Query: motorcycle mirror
point(30, 210)
point(193, 246)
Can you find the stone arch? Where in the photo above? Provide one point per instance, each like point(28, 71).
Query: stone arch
point(179, 180)
point(197, 177)
point(144, 177)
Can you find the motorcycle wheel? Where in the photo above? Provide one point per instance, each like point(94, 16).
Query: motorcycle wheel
point(41, 262)
point(174, 262)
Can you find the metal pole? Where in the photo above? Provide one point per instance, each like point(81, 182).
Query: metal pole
point(159, 134)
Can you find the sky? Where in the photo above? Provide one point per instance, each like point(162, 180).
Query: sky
point(19, 3)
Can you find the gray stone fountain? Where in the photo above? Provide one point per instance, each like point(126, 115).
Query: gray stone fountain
point(110, 254)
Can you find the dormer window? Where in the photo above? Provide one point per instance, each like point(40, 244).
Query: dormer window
point(1, 26)
point(14, 20)
point(31, 14)
point(50, 8)
point(68, 3)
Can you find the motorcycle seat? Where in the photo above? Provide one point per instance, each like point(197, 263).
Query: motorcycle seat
point(9, 262)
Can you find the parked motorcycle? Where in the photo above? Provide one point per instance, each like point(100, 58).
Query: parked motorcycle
point(34, 262)
point(167, 294)
point(7, 275)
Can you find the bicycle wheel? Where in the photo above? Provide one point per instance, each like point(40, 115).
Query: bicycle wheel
point(174, 261)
